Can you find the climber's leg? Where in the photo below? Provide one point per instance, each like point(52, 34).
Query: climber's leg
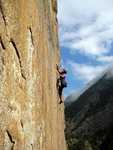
point(58, 82)
point(60, 89)
point(60, 94)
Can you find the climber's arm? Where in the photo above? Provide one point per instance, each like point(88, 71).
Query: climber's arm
point(58, 69)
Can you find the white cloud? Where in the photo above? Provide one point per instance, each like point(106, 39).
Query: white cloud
point(86, 26)
point(90, 46)
point(85, 72)
point(79, 11)
point(106, 59)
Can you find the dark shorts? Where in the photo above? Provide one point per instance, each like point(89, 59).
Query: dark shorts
point(63, 82)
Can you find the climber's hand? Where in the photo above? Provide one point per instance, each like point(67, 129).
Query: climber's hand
point(57, 67)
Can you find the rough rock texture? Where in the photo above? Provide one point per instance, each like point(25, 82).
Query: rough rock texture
point(30, 116)
point(89, 119)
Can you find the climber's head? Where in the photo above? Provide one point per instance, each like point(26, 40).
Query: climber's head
point(63, 70)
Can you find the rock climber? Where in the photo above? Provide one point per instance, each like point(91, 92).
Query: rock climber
point(61, 82)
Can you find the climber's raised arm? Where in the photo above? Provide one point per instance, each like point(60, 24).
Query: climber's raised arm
point(58, 68)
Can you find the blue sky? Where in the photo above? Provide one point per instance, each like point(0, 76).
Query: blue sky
point(86, 39)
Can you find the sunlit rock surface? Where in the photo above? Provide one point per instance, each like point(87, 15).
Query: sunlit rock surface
point(30, 116)
point(89, 119)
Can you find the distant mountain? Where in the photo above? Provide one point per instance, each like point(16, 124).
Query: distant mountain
point(89, 116)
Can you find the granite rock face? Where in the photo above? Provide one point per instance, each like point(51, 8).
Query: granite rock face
point(89, 119)
point(30, 116)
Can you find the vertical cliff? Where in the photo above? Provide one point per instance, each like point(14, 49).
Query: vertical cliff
point(30, 116)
